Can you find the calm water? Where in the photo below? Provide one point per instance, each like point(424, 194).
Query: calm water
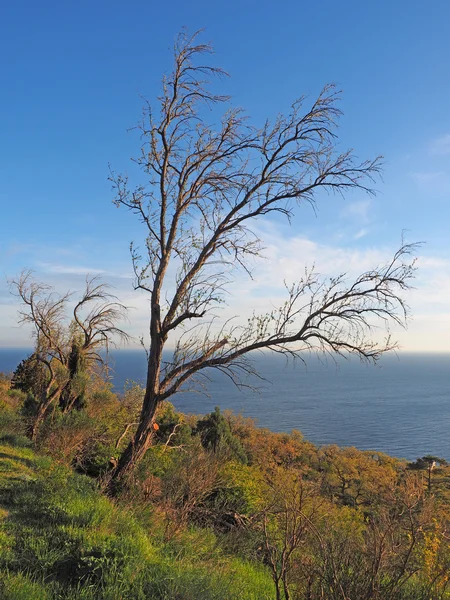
point(401, 407)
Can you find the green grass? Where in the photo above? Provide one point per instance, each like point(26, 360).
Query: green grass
point(60, 539)
point(17, 586)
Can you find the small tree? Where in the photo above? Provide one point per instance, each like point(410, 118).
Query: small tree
point(428, 464)
point(29, 377)
point(216, 435)
point(206, 186)
point(288, 519)
point(65, 349)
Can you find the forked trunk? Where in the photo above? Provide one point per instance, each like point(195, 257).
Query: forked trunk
point(287, 594)
point(137, 446)
point(277, 588)
point(47, 400)
point(38, 419)
point(33, 431)
point(142, 439)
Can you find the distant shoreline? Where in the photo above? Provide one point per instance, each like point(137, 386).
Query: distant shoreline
point(401, 407)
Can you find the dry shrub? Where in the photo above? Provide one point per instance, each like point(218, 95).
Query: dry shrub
point(67, 438)
point(187, 484)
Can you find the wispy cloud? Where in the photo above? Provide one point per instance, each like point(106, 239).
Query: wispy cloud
point(285, 259)
point(428, 177)
point(434, 182)
point(361, 233)
point(80, 270)
point(70, 269)
point(358, 211)
point(17, 248)
point(440, 145)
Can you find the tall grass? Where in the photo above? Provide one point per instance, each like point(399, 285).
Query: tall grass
point(60, 539)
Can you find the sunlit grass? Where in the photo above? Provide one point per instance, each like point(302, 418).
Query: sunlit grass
point(18, 586)
point(60, 539)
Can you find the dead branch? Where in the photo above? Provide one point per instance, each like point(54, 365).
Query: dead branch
point(207, 186)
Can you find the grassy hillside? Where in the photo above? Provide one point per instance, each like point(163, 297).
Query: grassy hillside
point(60, 538)
point(219, 509)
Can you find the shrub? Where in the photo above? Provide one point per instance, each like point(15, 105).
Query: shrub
point(216, 435)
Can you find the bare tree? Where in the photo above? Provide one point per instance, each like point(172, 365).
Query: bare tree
point(292, 505)
point(205, 188)
point(67, 347)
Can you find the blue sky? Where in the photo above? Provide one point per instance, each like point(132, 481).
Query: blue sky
point(72, 78)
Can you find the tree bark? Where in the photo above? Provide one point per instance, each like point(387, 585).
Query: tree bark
point(37, 422)
point(141, 441)
point(138, 445)
point(43, 406)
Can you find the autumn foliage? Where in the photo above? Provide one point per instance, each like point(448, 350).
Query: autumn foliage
point(324, 522)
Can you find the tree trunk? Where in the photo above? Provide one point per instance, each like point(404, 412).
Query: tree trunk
point(287, 595)
point(46, 401)
point(134, 452)
point(277, 589)
point(141, 441)
point(137, 446)
point(37, 422)
point(65, 397)
point(36, 425)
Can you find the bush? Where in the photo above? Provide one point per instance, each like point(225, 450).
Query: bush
point(10, 420)
point(216, 435)
point(68, 437)
point(16, 440)
point(172, 426)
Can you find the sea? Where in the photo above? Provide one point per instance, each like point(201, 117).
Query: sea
point(401, 406)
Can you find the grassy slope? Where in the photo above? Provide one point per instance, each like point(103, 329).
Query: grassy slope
point(60, 539)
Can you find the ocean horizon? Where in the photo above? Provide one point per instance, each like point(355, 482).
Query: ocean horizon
point(400, 406)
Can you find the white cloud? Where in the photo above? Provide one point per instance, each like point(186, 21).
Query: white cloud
point(427, 332)
point(433, 262)
point(285, 259)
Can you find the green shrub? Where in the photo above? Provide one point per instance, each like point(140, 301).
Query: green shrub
point(172, 426)
point(216, 435)
point(10, 420)
point(16, 440)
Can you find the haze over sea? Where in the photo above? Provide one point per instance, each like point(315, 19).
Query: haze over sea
point(401, 406)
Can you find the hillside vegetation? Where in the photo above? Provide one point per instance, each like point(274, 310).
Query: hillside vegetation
point(218, 509)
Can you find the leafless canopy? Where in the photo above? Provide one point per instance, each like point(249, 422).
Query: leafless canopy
point(94, 317)
point(206, 187)
point(92, 326)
